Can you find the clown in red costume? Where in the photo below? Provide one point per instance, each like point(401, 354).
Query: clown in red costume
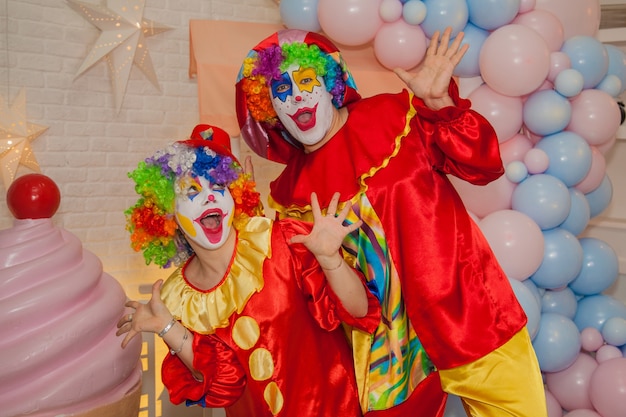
point(253, 315)
point(450, 320)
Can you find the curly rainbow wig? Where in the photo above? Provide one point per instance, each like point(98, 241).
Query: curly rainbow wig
point(151, 220)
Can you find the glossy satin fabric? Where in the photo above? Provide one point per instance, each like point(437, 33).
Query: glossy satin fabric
point(283, 352)
point(397, 153)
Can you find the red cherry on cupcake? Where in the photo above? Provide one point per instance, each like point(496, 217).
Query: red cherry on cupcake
point(33, 196)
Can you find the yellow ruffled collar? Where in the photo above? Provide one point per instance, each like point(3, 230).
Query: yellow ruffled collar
point(205, 311)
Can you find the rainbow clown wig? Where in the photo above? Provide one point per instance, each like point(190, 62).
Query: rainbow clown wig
point(259, 124)
point(151, 220)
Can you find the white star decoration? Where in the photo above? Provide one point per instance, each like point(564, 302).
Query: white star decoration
point(16, 135)
point(121, 42)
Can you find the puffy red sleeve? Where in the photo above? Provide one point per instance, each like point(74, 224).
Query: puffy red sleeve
point(323, 303)
point(224, 379)
point(462, 142)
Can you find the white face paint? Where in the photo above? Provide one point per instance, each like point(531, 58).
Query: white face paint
point(302, 104)
point(204, 211)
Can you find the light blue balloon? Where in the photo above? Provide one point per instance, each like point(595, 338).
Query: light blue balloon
point(611, 84)
point(589, 57)
point(443, 13)
point(544, 198)
point(469, 64)
point(600, 198)
point(491, 14)
point(536, 291)
point(414, 12)
point(579, 213)
point(595, 310)
point(557, 343)
point(600, 267)
point(617, 64)
point(562, 259)
point(516, 171)
point(546, 112)
point(300, 14)
point(569, 155)
point(529, 304)
point(614, 331)
point(561, 301)
point(569, 82)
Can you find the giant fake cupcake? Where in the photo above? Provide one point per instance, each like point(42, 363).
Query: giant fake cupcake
point(59, 355)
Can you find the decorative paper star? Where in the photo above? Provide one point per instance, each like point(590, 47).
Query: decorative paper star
point(16, 135)
point(121, 42)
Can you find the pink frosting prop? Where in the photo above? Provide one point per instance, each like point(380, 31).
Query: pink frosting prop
point(58, 315)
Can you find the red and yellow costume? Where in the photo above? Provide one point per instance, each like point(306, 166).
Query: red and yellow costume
point(268, 339)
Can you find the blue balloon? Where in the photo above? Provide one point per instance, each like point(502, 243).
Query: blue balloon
point(544, 198)
point(557, 343)
point(491, 14)
point(546, 112)
point(569, 82)
point(562, 259)
point(589, 57)
point(611, 85)
point(536, 291)
point(414, 12)
point(595, 310)
point(600, 267)
point(600, 198)
point(443, 13)
point(569, 155)
point(529, 304)
point(300, 14)
point(617, 64)
point(614, 331)
point(469, 64)
point(562, 301)
point(579, 213)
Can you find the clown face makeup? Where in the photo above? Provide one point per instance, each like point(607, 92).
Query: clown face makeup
point(204, 211)
point(302, 104)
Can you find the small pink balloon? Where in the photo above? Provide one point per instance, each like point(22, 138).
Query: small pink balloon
point(400, 45)
point(390, 10)
point(596, 173)
point(608, 388)
point(536, 161)
point(553, 406)
point(526, 6)
point(515, 148)
point(559, 61)
point(546, 24)
point(571, 385)
point(591, 339)
point(607, 352)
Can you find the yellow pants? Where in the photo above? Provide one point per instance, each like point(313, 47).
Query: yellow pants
point(506, 382)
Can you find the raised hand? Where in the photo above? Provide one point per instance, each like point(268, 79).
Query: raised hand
point(432, 77)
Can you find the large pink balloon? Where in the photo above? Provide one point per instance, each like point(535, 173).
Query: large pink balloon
point(503, 112)
point(554, 408)
point(579, 17)
point(350, 22)
point(608, 388)
point(546, 24)
point(400, 45)
point(484, 199)
point(514, 60)
point(571, 385)
point(595, 116)
point(516, 240)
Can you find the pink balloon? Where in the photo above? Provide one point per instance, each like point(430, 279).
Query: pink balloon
point(579, 17)
point(571, 385)
point(554, 408)
point(503, 112)
point(469, 84)
point(559, 61)
point(515, 148)
point(595, 116)
point(537, 161)
point(583, 412)
point(516, 240)
point(596, 173)
point(607, 146)
point(526, 5)
point(607, 352)
point(483, 199)
point(546, 24)
point(400, 45)
point(591, 339)
point(514, 60)
point(608, 388)
point(390, 10)
point(349, 22)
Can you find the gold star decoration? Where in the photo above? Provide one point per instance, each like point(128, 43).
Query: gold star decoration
point(16, 135)
point(121, 42)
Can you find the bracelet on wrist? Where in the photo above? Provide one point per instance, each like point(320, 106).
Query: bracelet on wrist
point(335, 268)
point(167, 328)
point(185, 336)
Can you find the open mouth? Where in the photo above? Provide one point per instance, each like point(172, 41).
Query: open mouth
point(211, 222)
point(305, 118)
